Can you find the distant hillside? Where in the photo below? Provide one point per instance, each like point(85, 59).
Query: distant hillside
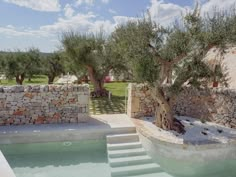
point(41, 53)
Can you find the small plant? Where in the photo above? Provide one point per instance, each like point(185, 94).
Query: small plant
point(203, 120)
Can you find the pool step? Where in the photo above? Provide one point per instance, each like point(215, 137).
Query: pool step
point(127, 161)
point(135, 170)
point(127, 157)
point(120, 146)
point(159, 174)
point(126, 152)
point(122, 138)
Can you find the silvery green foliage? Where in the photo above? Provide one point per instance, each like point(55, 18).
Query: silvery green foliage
point(20, 63)
point(180, 49)
point(92, 50)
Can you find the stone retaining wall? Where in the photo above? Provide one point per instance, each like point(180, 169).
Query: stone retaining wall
point(43, 104)
point(217, 105)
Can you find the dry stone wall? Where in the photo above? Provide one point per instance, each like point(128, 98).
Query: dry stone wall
point(140, 102)
point(217, 105)
point(44, 104)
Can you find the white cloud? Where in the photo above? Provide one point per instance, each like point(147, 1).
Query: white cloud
point(68, 11)
point(80, 22)
point(209, 6)
point(123, 19)
point(112, 11)
point(87, 2)
point(39, 5)
point(101, 25)
point(105, 1)
point(10, 30)
point(165, 13)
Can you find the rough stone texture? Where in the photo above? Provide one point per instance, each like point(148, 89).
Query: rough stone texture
point(140, 102)
point(43, 104)
point(217, 105)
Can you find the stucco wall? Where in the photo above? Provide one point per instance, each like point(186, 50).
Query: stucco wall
point(217, 105)
point(43, 104)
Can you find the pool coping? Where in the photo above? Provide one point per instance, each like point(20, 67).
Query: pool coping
point(146, 132)
point(97, 127)
point(5, 168)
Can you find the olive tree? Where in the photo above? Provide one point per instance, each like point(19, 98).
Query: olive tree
point(95, 54)
point(52, 65)
point(167, 59)
point(19, 64)
point(76, 69)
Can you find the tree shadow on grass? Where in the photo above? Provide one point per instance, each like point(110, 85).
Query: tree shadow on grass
point(115, 105)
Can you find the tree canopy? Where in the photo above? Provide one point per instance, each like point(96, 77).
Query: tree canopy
point(169, 58)
point(94, 53)
point(18, 64)
point(52, 65)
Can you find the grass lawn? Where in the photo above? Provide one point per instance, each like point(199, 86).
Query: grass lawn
point(113, 106)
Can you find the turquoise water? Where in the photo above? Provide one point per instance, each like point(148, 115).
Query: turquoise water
point(89, 159)
point(61, 159)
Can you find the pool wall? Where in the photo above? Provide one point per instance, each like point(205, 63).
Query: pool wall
point(43, 104)
point(188, 159)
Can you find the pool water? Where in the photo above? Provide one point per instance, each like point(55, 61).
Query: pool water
point(89, 159)
point(60, 159)
point(217, 168)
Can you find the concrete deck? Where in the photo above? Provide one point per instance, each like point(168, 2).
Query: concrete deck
point(97, 127)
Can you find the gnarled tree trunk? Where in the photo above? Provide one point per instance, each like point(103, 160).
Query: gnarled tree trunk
point(51, 79)
point(97, 83)
point(20, 78)
point(164, 115)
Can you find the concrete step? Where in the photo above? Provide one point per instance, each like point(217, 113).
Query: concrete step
point(157, 174)
point(126, 161)
point(122, 138)
point(119, 146)
point(135, 170)
point(126, 152)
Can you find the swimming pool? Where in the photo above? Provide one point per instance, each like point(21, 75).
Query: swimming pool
point(89, 159)
point(58, 159)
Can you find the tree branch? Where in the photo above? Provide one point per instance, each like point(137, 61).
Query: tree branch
point(158, 57)
point(178, 58)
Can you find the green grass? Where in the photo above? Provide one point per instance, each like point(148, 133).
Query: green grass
point(117, 88)
point(115, 105)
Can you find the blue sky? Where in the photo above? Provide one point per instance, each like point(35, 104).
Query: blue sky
point(39, 23)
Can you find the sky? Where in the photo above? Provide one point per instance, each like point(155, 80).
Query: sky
point(40, 23)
